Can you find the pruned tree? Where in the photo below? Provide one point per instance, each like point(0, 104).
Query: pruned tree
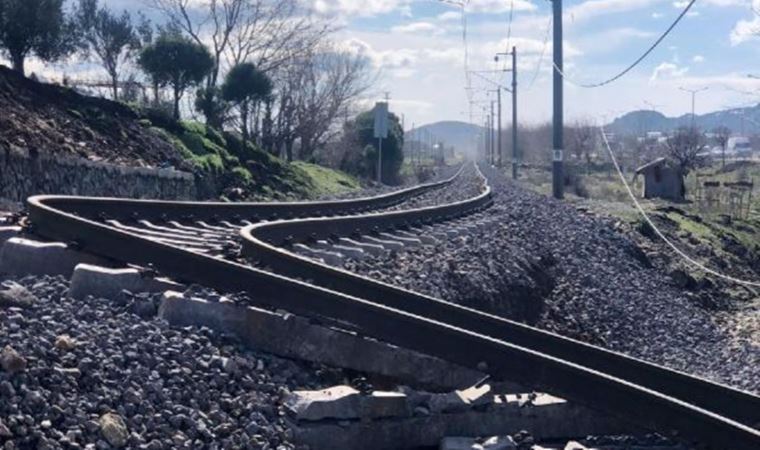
point(722, 136)
point(35, 27)
point(246, 87)
point(112, 39)
point(364, 162)
point(178, 62)
point(267, 33)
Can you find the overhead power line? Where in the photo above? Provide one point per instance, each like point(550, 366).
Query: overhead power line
point(509, 27)
point(635, 63)
point(543, 54)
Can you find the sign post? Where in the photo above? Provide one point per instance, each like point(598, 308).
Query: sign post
point(381, 132)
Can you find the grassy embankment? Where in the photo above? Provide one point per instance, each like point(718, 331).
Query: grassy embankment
point(258, 174)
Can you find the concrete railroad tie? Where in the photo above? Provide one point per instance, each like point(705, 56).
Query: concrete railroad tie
point(420, 235)
point(408, 242)
point(26, 257)
point(350, 252)
point(372, 249)
point(389, 245)
point(101, 282)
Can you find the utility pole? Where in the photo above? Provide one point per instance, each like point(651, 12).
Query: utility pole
point(693, 93)
point(558, 177)
point(514, 107)
point(497, 142)
point(501, 149)
point(493, 132)
point(514, 113)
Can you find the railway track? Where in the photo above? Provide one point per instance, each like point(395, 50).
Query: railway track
point(254, 248)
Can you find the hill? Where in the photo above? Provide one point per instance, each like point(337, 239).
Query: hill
point(46, 119)
point(462, 136)
point(739, 120)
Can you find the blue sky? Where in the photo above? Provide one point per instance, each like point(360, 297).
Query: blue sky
point(418, 47)
point(418, 50)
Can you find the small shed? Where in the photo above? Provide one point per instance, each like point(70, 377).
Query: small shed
point(662, 179)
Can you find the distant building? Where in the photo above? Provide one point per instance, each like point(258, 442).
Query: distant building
point(740, 146)
point(662, 180)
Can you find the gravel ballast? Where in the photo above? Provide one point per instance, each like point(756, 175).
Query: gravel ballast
point(549, 265)
point(106, 374)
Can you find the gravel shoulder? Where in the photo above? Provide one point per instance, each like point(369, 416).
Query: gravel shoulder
point(549, 265)
point(96, 372)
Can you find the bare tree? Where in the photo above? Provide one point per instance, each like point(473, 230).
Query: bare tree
point(583, 140)
point(722, 135)
point(273, 32)
point(327, 81)
point(684, 148)
point(114, 40)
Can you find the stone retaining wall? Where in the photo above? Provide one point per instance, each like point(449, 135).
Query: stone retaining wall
point(23, 175)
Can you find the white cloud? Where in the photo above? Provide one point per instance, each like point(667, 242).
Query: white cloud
point(698, 59)
point(364, 8)
point(499, 6)
point(450, 16)
point(668, 70)
point(418, 27)
point(594, 8)
point(746, 30)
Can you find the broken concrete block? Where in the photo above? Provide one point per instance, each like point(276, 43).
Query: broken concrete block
point(273, 332)
point(381, 404)
point(450, 402)
point(491, 443)
point(338, 402)
point(345, 403)
point(26, 257)
point(547, 421)
point(102, 282)
point(476, 396)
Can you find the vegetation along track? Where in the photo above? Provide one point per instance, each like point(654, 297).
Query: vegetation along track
point(647, 395)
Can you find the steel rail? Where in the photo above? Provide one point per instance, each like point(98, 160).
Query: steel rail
point(261, 243)
point(499, 357)
point(121, 208)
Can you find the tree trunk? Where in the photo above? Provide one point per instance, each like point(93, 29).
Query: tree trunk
point(244, 119)
point(289, 150)
point(155, 93)
point(17, 61)
point(115, 87)
point(176, 103)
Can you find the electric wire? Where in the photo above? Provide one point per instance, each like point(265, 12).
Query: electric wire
point(541, 58)
point(635, 63)
point(659, 233)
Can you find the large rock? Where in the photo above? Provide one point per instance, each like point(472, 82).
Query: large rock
point(14, 295)
point(11, 361)
point(114, 429)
